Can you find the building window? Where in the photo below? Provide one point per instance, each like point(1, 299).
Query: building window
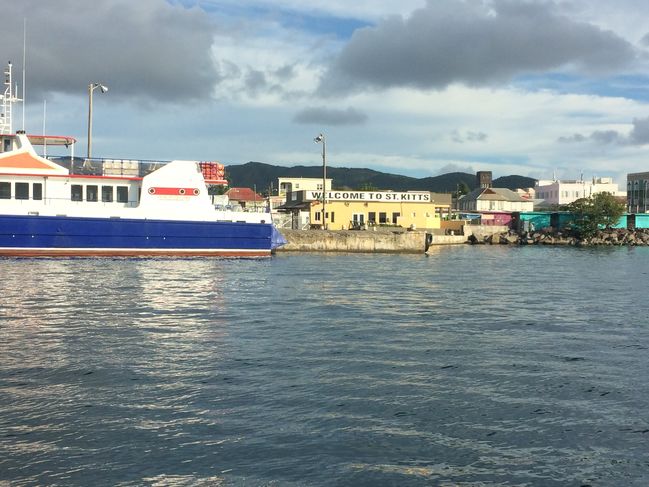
point(5, 191)
point(395, 217)
point(371, 217)
point(317, 216)
point(122, 194)
point(332, 217)
point(383, 217)
point(37, 191)
point(107, 194)
point(76, 192)
point(22, 191)
point(92, 193)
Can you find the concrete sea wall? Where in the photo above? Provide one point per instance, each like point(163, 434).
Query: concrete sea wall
point(418, 241)
point(385, 241)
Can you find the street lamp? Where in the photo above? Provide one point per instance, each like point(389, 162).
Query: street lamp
point(321, 138)
point(92, 87)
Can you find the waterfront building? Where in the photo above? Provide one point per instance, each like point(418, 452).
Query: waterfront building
point(362, 209)
point(246, 198)
point(553, 193)
point(288, 185)
point(636, 192)
point(492, 200)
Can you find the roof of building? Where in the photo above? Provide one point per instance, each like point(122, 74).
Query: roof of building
point(243, 194)
point(494, 194)
point(296, 205)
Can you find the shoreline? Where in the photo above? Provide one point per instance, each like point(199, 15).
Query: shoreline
point(401, 241)
point(610, 237)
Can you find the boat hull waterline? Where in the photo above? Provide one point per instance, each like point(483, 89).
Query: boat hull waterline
point(48, 236)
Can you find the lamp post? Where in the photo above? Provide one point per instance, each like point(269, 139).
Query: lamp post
point(92, 87)
point(321, 139)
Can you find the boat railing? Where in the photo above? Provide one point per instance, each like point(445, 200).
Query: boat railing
point(105, 166)
point(239, 208)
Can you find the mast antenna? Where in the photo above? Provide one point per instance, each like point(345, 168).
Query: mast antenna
point(24, 61)
point(7, 99)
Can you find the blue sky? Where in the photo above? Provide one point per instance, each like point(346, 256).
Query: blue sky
point(413, 87)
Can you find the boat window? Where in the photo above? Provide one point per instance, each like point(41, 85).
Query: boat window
point(22, 191)
point(92, 193)
point(122, 194)
point(37, 191)
point(76, 192)
point(107, 193)
point(5, 191)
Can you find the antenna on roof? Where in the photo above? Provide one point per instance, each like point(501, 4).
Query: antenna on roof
point(24, 61)
point(7, 99)
point(44, 138)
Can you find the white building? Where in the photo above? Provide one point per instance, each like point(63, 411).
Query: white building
point(494, 199)
point(554, 192)
point(288, 185)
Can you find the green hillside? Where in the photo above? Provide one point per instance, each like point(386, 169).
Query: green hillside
point(261, 176)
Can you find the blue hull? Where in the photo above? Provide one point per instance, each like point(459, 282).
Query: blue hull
point(59, 235)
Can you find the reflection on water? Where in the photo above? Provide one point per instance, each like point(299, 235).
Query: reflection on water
point(470, 366)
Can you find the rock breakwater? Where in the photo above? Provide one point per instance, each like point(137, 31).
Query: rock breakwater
point(609, 237)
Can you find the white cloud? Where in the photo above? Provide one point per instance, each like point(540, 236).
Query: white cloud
point(254, 74)
point(474, 43)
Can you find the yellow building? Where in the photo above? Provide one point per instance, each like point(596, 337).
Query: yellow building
point(358, 209)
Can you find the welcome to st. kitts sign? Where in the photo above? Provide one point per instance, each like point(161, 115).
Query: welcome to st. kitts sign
point(422, 197)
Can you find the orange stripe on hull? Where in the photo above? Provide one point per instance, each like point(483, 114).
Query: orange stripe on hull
point(130, 253)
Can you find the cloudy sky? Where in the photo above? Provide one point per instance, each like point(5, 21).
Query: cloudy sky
point(415, 87)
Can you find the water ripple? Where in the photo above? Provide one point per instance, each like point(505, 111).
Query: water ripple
point(474, 366)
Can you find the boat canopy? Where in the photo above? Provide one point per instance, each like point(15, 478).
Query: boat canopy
point(51, 140)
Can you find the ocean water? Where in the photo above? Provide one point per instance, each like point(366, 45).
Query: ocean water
point(474, 366)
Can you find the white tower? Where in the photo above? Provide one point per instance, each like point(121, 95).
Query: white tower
point(7, 98)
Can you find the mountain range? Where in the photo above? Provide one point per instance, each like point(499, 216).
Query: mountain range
point(262, 177)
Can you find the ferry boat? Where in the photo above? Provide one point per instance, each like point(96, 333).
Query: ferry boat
point(108, 207)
